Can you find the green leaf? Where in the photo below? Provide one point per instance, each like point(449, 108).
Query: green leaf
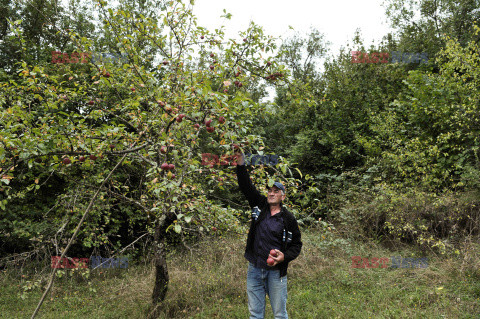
point(271, 181)
point(301, 176)
point(178, 228)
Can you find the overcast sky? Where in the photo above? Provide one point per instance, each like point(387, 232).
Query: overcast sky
point(337, 19)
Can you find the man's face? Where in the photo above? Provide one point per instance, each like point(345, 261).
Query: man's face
point(275, 196)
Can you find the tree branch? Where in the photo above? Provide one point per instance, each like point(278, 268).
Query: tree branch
point(74, 236)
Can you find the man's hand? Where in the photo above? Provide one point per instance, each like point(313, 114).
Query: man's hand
point(280, 258)
point(240, 158)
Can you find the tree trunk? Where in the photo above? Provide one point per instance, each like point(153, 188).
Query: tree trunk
point(160, 261)
point(161, 271)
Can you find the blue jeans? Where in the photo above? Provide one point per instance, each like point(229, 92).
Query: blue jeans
point(261, 282)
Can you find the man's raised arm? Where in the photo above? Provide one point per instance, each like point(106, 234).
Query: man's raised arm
point(248, 189)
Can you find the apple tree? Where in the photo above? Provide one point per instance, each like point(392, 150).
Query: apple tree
point(181, 90)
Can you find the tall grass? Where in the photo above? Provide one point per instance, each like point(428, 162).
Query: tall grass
point(210, 282)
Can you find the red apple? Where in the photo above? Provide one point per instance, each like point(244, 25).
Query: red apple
point(221, 120)
point(91, 102)
point(165, 62)
point(240, 84)
point(212, 55)
point(173, 176)
point(164, 166)
point(214, 228)
point(112, 146)
point(163, 150)
point(168, 108)
point(273, 252)
point(179, 119)
point(66, 161)
point(270, 261)
point(93, 157)
point(244, 40)
point(81, 158)
point(212, 67)
point(210, 129)
point(161, 103)
point(133, 89)
point(237, 74)
point(107, 75)
point(171, 166)
point(197, 125)
point(202, 37)
point(269, 63)
point(208, 122)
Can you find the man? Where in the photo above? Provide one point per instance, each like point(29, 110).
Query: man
point(273, 227)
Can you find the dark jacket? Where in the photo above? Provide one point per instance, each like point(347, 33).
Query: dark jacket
point(291, 249)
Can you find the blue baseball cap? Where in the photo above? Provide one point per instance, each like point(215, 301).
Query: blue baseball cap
point(279, 186)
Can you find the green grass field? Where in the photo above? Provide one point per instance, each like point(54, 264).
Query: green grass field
point(209, 282)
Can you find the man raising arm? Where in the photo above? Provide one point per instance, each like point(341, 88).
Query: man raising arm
point(273, 229)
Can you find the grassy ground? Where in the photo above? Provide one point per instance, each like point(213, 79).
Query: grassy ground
point(210, 283)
